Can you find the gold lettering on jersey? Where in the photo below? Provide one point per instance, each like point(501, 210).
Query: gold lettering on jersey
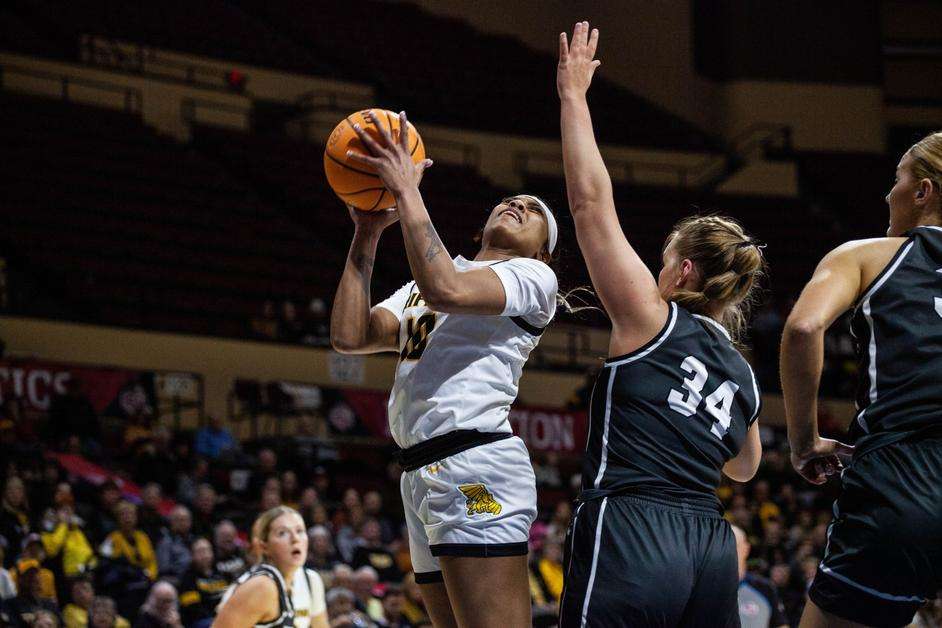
point(479, 500)
point(415, 300)
point(417, 333)
point(435, 467)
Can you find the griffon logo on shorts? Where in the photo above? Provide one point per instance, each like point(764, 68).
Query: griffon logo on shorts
point(480, 500)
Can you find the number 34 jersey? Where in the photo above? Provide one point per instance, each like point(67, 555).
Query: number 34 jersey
point(460, 371)
point(667, 417)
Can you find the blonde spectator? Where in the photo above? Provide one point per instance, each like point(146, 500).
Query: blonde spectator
point(130, 543)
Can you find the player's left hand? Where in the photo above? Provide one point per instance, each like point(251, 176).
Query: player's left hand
point(821, 460)
point(390, 158)
point(577, 62)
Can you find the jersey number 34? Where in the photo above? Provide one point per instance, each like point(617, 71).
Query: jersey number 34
point(719, 403)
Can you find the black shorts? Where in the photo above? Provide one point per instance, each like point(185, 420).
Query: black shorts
point(884, 554)
point(632, 561)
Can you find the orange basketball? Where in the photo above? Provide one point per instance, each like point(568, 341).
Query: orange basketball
point(355, 183)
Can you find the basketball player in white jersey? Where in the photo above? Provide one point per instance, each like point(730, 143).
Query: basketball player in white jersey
point(463, 330)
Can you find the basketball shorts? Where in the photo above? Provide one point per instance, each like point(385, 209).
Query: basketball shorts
point(632, 561)
point(883, 558)
point(480, 502)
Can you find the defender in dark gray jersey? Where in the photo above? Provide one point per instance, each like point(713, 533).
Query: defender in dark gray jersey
point(674, 406)
point(884, 554)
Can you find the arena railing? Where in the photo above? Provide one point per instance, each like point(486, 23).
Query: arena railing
point(133, 99)
point(772, 139)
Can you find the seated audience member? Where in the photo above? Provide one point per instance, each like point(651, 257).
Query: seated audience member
point(341, 608)
point(321, 555)
point(21, 610)
point(130, 543)
point(393, 602)
point(204, 510)
point(150, 521)
point(75, 613)
point(32, 557)
point(7, 585)
point(371, 551)
point(214, 439)
point(45, 619)
point(14, 516)
point(65, 541)
point(373, 509)
point(103, 614)
point(365, 580)
point(413, 606)
point(231, 558)
point(173, 550)
point(100, 516)
point(201, 587)
point(161, 609)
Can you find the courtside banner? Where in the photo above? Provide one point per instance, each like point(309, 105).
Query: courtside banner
point(359, 412)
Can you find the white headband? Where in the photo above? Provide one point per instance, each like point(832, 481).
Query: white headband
point(551, 229)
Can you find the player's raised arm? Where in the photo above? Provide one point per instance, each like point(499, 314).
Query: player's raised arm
point(624, 284)
point(444, 288)
point(833, 289)
point(354, 326)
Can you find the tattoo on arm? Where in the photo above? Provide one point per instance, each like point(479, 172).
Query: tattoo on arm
point(364, 263)
point(434, 242)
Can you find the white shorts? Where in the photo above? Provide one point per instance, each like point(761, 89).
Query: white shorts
point(480, 502)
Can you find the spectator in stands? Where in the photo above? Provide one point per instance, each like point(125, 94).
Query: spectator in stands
point(214, 439)
point(149, 518)
point(189, 481)
point(373, 508)
point(100, 518)
point(413, 606)
point(290, 491)
point(271, 498)
point(65, 541)
point(204, 506)
point(156, 461)
point(14, 516)
point(45, 619)
point(7, 585)
point(265, 325)
point(365, 580)
point(20, 610)
point(759, 604)
point(75, 613)
point(371, 551)
point(202, 587)
point(72, 414)
point(104, 614)
point(138, 428)
point(266, 468)
point(393, 602)
point(231, 559)
point(341, 608)
point(32, 557)
point(321, 555)
point(546, 572)
point(342, 576)
point(130, 543)
point(316, 330)
point(161, 609)
point(290, 327)
point(173, 550)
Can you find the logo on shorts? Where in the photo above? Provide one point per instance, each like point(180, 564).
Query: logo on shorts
point(480, 501)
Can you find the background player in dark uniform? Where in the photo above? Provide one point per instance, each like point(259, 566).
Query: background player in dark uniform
point(673, 406)
point(884, 552)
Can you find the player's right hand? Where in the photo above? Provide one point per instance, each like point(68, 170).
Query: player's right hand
point(821, 460)
point(374, 220)
point(577, 62)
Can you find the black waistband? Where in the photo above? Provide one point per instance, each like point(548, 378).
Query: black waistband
point(440, 447)
point(694, 504)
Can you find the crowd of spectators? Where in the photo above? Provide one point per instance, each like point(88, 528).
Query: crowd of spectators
point(80, 551)
point(285, 323)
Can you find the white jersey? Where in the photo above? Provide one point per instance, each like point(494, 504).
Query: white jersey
point(307, 595)
point(460, 371)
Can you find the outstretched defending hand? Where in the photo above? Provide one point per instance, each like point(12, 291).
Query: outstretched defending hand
point(390, 158)
point(820, 461)
point(577, 62)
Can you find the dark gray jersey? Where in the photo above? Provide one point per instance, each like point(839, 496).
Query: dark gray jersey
point(898, 328)
point(667, 417)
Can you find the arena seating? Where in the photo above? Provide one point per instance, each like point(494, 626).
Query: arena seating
point(137, 229)
point(214, 28)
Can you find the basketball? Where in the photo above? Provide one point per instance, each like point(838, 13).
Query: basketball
point(358, 184)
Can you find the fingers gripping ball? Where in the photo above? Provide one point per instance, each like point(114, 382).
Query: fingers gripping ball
point(358, 184)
